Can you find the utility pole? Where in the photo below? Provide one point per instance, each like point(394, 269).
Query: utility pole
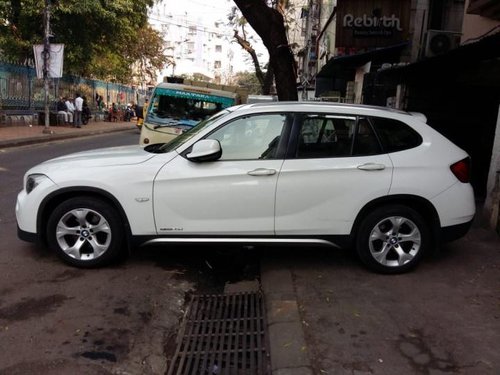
point(46, 62)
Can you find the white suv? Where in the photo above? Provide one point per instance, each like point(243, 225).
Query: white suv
point(379, 180)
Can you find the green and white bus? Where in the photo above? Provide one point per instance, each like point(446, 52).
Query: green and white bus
point(175, 108)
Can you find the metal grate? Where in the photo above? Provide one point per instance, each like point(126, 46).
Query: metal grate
point(222, 334)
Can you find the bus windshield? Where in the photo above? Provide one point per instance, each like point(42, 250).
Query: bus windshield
point(174, 105)
point(184, 137)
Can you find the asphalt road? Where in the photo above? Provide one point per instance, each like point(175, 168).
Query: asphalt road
point(55, 319)
point(443, 318)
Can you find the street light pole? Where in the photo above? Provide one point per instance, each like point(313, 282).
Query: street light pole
point(46, 62)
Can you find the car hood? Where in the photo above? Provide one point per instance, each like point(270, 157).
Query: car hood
point(113, 156)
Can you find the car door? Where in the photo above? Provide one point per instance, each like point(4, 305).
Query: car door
point(334, 169)
point(231, 196)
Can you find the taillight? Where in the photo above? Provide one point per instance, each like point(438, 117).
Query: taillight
point(461, 170)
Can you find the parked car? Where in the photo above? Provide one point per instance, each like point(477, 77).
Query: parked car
point(377, 180)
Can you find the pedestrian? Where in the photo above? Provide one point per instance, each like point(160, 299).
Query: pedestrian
point(62, 110)
point(70, 107)
point(86, 114)
point(129, 112)
point(145, 108)
point(78, 110)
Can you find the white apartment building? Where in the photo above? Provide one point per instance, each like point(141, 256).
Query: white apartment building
point(197, 46)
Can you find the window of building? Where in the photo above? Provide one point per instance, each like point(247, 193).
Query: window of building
point(218, 48)
point(217, 64)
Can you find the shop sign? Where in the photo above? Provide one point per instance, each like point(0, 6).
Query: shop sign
point(371, 25)
point(366, 24)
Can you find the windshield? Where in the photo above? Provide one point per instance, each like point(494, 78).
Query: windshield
point(166, 110)
point(184, 137)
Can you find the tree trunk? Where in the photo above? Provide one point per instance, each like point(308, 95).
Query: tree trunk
point(247, 47)
point(268, 81)
point(268, 23)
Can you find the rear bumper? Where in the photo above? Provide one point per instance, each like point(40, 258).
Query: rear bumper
point(454, 232)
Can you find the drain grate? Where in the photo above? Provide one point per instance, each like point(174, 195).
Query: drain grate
point(222, 334)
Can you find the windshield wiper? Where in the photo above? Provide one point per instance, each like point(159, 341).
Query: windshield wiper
point(169, 123)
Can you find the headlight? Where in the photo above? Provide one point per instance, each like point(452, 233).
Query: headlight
point(33, 181)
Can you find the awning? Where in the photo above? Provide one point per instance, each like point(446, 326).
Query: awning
point(390, 54)
point(485, 50)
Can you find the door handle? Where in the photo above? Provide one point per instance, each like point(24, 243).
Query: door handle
point(371, 167)
point(262, 172)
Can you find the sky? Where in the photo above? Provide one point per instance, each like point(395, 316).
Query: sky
point(205, 13)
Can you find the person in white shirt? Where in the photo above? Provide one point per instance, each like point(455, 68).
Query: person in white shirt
point(70, 109)
point(78, 110)
point(62, 110)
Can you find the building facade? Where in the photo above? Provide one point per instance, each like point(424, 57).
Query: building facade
point(197, 47)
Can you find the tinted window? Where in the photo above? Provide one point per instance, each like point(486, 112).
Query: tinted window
point(395, 135)
point(365, 140)
point(250, 137)
point(324, 136)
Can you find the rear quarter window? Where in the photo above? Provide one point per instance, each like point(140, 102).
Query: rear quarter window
point(395, 135)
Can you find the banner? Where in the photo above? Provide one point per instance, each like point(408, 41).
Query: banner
point(56, 58)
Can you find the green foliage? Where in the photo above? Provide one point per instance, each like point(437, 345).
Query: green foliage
point(103, 38)
point(249, 81)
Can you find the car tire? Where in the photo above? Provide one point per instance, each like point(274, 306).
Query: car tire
point(392, 239)
point(85, 232)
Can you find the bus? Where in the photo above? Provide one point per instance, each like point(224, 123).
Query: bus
point(175, 108)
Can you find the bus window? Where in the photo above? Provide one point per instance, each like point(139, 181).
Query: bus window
point(176, 108)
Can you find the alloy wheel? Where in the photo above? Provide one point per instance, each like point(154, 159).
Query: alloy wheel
point(395, 241)
point(83, 234)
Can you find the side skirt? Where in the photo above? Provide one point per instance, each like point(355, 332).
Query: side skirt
point(331, 241)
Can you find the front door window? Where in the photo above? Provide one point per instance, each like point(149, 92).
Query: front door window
point(251, 137)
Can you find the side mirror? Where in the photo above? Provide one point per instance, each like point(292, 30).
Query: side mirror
point(205, 150)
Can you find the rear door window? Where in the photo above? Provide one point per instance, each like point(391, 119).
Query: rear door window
point(365, 141)
point(325, 136)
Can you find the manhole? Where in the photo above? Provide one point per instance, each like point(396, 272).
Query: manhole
point(222, 334)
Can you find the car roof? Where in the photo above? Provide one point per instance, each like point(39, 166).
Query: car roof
point(320, 104)
point(300, 106)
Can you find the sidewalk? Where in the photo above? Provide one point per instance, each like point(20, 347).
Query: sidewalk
point(20, 135)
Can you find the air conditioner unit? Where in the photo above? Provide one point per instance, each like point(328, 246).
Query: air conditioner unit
point(441, 41)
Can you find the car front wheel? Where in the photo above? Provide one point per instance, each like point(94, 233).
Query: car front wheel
point(85, 232)
point(392, 239)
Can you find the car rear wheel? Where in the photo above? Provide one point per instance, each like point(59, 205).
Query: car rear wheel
point(392, 239)
point(85, 232)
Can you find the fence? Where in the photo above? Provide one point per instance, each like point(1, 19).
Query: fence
point(22, 94)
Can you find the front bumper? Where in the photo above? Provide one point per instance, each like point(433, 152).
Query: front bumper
point(27, 236)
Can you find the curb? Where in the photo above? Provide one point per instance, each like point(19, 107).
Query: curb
point(57, 137)
point(288, 351)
